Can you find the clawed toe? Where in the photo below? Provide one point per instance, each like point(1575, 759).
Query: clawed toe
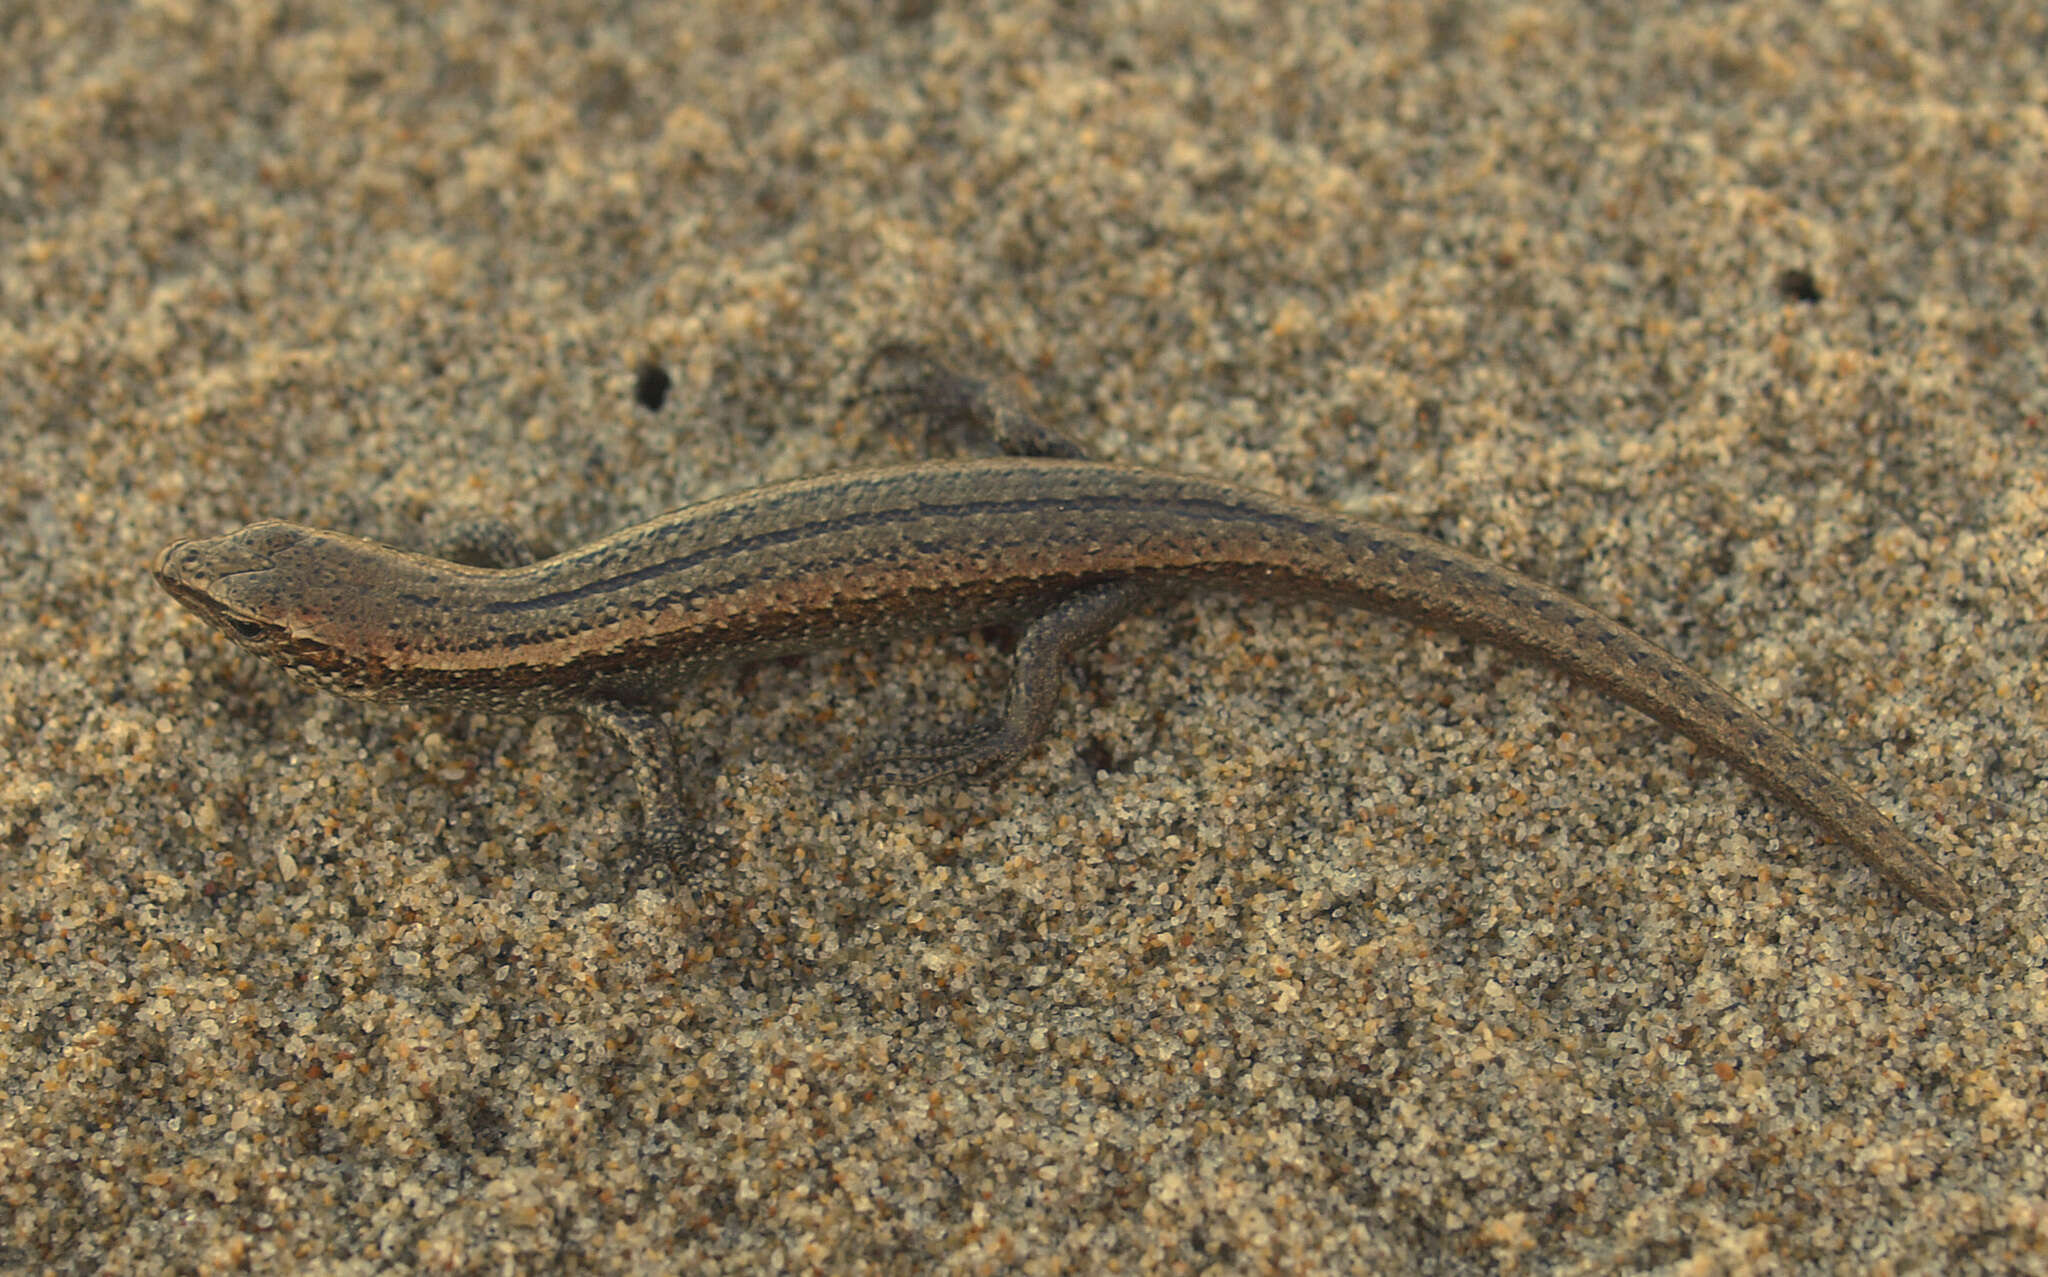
point(658, 854)
point(979, 749)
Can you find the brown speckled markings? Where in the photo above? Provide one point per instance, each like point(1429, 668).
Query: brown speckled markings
point(942, 546)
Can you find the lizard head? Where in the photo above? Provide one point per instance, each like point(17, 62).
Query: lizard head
point(295, 596)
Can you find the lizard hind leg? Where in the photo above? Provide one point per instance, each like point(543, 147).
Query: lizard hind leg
point(908, 381)
point(1079, 621)
point(667, 835)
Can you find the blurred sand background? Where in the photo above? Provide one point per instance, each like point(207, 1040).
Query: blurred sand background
point(1309, 941)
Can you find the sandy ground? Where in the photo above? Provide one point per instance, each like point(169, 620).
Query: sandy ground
point(1309, 941)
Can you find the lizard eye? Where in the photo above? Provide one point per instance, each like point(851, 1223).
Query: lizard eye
point(247, 629)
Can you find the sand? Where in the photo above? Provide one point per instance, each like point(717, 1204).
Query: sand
point(1309, 941)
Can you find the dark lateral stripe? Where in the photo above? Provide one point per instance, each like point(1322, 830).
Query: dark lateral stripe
point(839, 525)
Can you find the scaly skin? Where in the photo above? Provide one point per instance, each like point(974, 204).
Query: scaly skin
point(1068, 546)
